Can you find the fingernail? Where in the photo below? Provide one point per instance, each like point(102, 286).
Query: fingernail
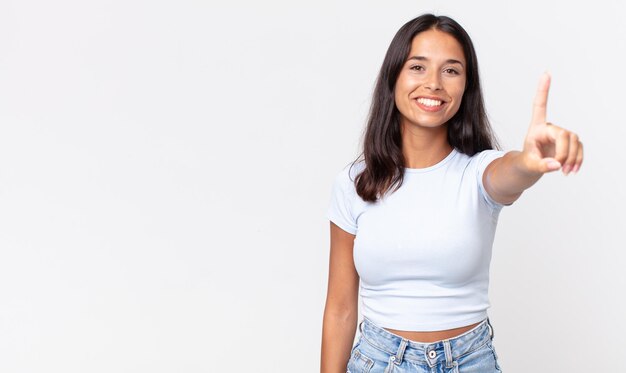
point(566, 169)
point(575, 169)
point(554, 165)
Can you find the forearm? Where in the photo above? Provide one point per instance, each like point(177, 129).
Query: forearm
point(507, 177)
point(338, 334)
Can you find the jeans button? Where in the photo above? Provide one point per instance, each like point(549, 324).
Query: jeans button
point(432, 354)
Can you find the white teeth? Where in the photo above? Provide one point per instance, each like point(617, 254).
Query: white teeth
point(429, 102)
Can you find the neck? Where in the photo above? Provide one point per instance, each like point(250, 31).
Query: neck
point(424, 147)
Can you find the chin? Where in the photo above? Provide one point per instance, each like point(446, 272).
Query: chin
point(430, 123)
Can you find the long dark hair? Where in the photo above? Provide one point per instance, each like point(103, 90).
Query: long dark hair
point(468, 130)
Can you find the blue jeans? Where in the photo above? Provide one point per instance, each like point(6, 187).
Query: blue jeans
point(380, 351)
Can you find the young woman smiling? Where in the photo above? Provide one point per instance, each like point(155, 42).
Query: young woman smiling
point(412, 220)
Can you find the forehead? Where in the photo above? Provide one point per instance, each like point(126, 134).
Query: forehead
point(435, 44)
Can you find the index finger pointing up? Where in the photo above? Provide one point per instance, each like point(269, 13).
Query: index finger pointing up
point(541, 100)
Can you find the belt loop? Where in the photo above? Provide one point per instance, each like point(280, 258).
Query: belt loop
point(491, 332)
point(448, 352)
point(400, 354)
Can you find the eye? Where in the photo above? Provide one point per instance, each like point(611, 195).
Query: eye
point(451, 71)
point(417, 68)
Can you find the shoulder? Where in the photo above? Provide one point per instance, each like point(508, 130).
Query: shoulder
point(479, 160)
point(349, 173)
point(488, 154)
point(344, 207)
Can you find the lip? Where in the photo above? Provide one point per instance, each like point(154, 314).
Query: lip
point(431, 108)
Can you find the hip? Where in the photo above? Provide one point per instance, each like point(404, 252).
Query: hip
point(378, 350)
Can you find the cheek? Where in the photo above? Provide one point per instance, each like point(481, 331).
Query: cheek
point(457, 94)
point(398, 95)
point(461, 88)
point(403, 89)
point(405, 84)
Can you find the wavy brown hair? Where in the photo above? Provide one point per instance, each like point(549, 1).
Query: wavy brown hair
point(469, 130)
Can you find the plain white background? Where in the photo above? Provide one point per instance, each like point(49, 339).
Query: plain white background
point(165, 169)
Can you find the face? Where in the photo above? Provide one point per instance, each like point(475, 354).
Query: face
point(431, 83)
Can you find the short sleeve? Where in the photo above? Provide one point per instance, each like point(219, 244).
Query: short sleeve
point(483, 160)
point(341, 203)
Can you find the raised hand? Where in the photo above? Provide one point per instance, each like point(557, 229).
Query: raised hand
point(548, 147)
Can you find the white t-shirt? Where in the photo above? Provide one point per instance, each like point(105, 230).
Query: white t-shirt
point(423, 251)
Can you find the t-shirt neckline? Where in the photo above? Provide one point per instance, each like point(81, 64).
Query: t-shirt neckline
point(433, 167)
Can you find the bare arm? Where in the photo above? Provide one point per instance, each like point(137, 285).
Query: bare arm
point(341, 311)
point(547, 148)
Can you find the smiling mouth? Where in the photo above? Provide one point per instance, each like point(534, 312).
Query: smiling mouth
point(429, 102)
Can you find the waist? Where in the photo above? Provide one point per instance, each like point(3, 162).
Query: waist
point(476, 335)
point(434, 336)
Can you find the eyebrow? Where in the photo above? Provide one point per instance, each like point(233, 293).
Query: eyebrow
point(422, 58)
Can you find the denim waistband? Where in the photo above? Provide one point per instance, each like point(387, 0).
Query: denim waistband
point(432, 353)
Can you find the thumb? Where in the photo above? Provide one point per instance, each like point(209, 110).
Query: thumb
point(549, 165)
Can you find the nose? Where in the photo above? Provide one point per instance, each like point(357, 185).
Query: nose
point(433, 81)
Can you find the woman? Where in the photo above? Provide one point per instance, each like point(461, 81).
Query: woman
point(414, 217)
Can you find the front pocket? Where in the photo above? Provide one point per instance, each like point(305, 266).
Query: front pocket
point(359, 363)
